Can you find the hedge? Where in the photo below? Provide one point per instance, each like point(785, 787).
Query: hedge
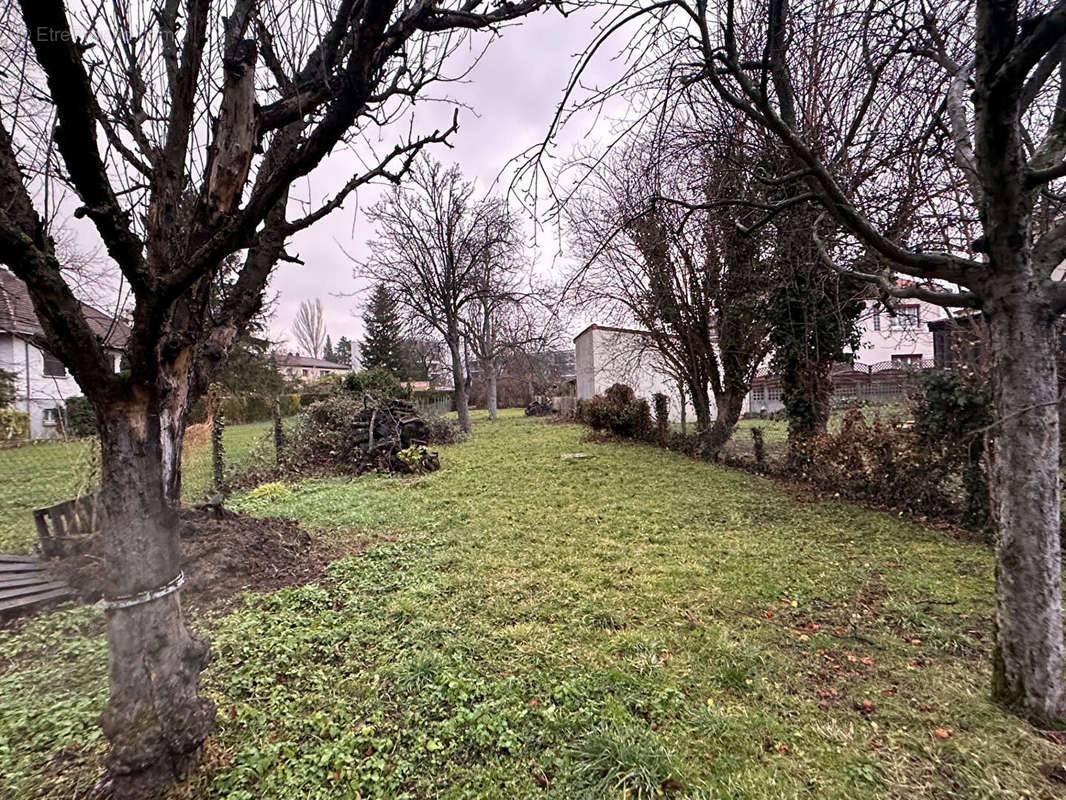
point(238, 409)
point(79, 418)
point(14, 424)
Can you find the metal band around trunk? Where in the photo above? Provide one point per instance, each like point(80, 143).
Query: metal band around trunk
point(110, 604)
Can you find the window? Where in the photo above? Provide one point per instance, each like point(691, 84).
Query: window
point(53, 367)
point(906, 318)
point(773, 393)
point(51, 416)
point(907, 360)
point(306, 372)
point(877, 320)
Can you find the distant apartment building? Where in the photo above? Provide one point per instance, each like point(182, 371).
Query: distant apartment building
point(42, 382)
point(307, 368)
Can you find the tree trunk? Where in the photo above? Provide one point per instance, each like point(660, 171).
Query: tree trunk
point(489, 368)
point(155, 719)
point(729, 405)
point(459, 382)
point(1024, 487)
point(684, 413)
point(172, 418)
point(701, 404)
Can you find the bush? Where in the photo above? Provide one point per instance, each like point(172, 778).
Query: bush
point(233, 410)
point(442, 431)
point(618, 411)
point(950, 414)
point(879, 461)
point(14, 425)
point(257, 408)
point(378, 382)
point(79, 417)
point(289, 404)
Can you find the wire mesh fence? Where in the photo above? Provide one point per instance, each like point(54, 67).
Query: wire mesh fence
point(36, 474)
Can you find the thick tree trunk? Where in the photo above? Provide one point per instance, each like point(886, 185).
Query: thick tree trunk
point(155, 718)
point(1024, 486)
point(806, 389)
point(701, 405)
point(173, 409)
point(489, 368)
point(459, 381)
point(729, 405)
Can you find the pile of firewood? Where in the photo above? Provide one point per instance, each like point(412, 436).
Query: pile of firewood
point(393, 437)
point(538, 408)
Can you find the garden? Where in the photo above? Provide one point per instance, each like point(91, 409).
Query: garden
point(524, 623)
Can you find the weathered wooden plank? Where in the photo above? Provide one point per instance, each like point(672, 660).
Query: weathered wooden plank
point(35, 599)
point(11, 592)
point(19, 559)
point(21, 567)
point(24, 579)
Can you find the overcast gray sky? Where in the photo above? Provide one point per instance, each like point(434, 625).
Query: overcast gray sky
point(512, 94)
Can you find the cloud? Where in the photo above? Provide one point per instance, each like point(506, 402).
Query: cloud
point(505, 104)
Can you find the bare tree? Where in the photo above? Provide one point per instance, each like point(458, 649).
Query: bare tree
point(309, 328)
point(180, 146)
point(934, 137)
point(503, 318)
point(657, 242)
point(435, 240)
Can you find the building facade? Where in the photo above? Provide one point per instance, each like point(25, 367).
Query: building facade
point(42, 381)
point(306, 368)
point(604, 356)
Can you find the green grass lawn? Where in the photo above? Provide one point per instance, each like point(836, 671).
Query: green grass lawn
point(540, 627)
point(45, 473)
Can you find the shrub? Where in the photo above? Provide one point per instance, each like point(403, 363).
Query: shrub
point(309, 398)
point(233, 409)
point(257, 408)
point(882, 461)
point(950, 414)
point(378, 382)
point(289, 404)
point(14, 425)
point(617, 410)
point(7, 388)
point(79, 417)
point(758, 444)
point(442, 431)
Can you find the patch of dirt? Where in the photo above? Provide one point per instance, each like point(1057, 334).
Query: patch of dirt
point(223, 554)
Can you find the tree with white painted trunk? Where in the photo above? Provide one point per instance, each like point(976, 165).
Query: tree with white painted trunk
point(179, 128)
point(934, 138)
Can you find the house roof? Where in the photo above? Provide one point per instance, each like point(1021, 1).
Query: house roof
point(595, 327)
point(17, 315)
point(293, 360)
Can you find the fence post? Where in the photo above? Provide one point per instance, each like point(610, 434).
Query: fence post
point(279, 433)
point(218, 425)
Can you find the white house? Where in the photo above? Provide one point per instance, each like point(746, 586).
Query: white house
point(900, 336)
point(605, 356)
point(306, 368)
point(42, 382)
point(890, 342)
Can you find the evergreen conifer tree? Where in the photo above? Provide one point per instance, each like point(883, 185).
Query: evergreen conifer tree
point(382, 345)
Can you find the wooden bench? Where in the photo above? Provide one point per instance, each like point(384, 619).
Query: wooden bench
point(64, 527)
point(25, 585)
